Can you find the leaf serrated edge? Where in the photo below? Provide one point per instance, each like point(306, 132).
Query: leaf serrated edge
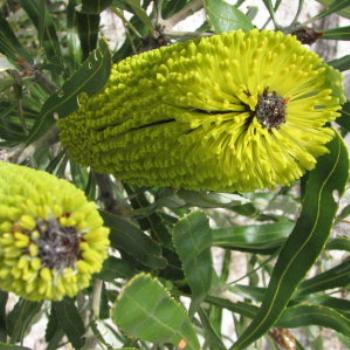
point(149, 277)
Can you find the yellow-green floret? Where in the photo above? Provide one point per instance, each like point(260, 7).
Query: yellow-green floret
point(232, 112)
point(51, 238)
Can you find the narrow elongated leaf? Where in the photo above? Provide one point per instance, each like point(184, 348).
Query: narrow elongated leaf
point(4, 346)
point(341, 64)
point(3, 301)
point(152, 222)
point(212, 338)
point(344, 12)
point(225, 17)
point(145, 310)
point(241, 308)
point(42, 20)
point(170, 7)
point(88, 28)
point(295, 316)
point(20, 319)
point(89, 79)
point(305, 242)
point(334, 6)
point(70, 321)
point(52, 326)
point(253, 238)
point(192, 239)
point(341, 243)
point(307, 315)
point(338, 276)
point(9, 44)
point(341, 33)
point(341, 305)
point(130, 239)
point(54, 333)
point(95, 6)
point(136, 8)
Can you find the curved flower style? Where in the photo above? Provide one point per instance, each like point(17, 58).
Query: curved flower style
point(51, 238)
point(232, 112)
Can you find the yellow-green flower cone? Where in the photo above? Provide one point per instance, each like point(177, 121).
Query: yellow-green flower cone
point(51, 238)
point(232, 112)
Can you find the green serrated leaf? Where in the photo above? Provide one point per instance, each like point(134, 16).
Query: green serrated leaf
point(130, 239)
point(306, 241)
point(262, 239)
point(192, 240)
point(225, 17)
point(341, 33)
point(145, 310)
point(21, 318)
point(70, 321)
point(89, 79)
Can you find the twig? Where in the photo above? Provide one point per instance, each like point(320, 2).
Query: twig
point(24, 152)
point(91, 340)
point(188, 10)
point(18, 90)
point(180, 34)
point(40, 78)
point(105, 185)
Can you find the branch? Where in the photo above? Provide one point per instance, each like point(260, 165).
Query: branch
point(106, 196)
point(91, 340)
point(40, 78)
point(188, 10)
point(25, 152)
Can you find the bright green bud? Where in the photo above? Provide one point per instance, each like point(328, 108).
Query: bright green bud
point(232, 112)
point(47, 230)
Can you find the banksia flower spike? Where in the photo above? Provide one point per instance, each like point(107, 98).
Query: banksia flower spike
point(232, 112)
point(51, 238)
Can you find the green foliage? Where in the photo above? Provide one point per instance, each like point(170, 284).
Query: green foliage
point(162, 285)
point(157, 318)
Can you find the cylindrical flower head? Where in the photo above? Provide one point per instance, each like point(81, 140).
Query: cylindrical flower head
point(51, 238)
point(232, 112)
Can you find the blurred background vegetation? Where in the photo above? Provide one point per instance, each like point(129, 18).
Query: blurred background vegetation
point(51, 51)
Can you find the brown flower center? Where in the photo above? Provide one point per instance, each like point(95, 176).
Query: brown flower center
point(58, 245)
point(270, 109)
